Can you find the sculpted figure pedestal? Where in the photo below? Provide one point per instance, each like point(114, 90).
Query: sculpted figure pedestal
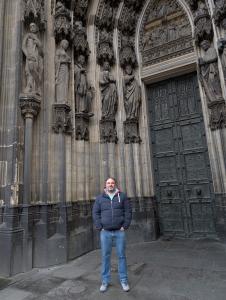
point(32, 49)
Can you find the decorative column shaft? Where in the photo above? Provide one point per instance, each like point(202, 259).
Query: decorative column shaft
point(30, 106)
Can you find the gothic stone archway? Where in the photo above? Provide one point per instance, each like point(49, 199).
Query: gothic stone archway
point(182, 176)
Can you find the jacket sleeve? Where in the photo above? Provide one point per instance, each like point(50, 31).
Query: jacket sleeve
point(97, 214)
point(127, 213)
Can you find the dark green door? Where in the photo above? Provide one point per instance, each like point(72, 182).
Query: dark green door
point(183, 182)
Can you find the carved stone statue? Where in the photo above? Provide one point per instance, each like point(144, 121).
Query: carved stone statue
point(109, 93)
point(208, 73)
point(62, 62)
point(132, 95)
point(83, 91)
point(32, 49)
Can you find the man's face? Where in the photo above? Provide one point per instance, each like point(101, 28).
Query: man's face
point(110, 185)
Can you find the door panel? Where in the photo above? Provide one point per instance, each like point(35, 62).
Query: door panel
point(181, 164)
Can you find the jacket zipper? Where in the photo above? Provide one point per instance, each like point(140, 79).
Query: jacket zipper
point(111, 213)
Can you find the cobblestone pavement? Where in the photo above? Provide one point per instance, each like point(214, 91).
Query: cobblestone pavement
point(162, 270)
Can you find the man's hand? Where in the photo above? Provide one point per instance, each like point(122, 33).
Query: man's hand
point(122, 229)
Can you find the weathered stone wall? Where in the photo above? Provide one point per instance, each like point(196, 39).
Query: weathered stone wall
point(56, 150)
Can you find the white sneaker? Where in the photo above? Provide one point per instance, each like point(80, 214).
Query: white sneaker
point(103, 287)
point(125, 286)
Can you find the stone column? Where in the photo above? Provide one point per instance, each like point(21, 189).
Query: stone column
point(2, 4)
point(11, 233)
point(30, 106)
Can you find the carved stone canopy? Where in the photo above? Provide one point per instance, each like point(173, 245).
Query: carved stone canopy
point(203, 24)
point(34, 12)
point(136, 5)
point(62, 24)
point(219, 14)
point(80, 43)
point(80, 10)
point(105, 48)
point(106, 19)
point(127, 22)
point(127, 53)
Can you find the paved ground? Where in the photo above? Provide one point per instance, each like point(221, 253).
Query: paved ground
point(161, 270)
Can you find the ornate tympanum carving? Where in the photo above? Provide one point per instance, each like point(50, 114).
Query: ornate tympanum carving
point(166, 32)
point(62, 63)
point(33, 51)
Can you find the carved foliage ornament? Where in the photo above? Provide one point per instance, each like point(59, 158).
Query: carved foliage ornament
point(33, 11)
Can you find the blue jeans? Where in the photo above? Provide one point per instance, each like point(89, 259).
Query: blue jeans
point(107, 238)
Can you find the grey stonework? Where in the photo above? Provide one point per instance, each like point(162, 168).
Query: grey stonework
point(69, 153)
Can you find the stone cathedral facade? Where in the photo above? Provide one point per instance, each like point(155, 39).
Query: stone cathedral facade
point(95, 88)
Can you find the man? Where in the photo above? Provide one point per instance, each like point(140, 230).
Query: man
point(112, 216)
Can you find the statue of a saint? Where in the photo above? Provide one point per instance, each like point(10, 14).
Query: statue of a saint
point(32, 49)
point(62, 62)
point(109, 93)
point(83, 91)
point(132, 94)
point(208, 73)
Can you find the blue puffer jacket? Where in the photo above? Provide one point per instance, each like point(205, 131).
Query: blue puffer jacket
point(112, 214)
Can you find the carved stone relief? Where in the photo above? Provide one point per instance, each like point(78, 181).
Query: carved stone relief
point(166, 32)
